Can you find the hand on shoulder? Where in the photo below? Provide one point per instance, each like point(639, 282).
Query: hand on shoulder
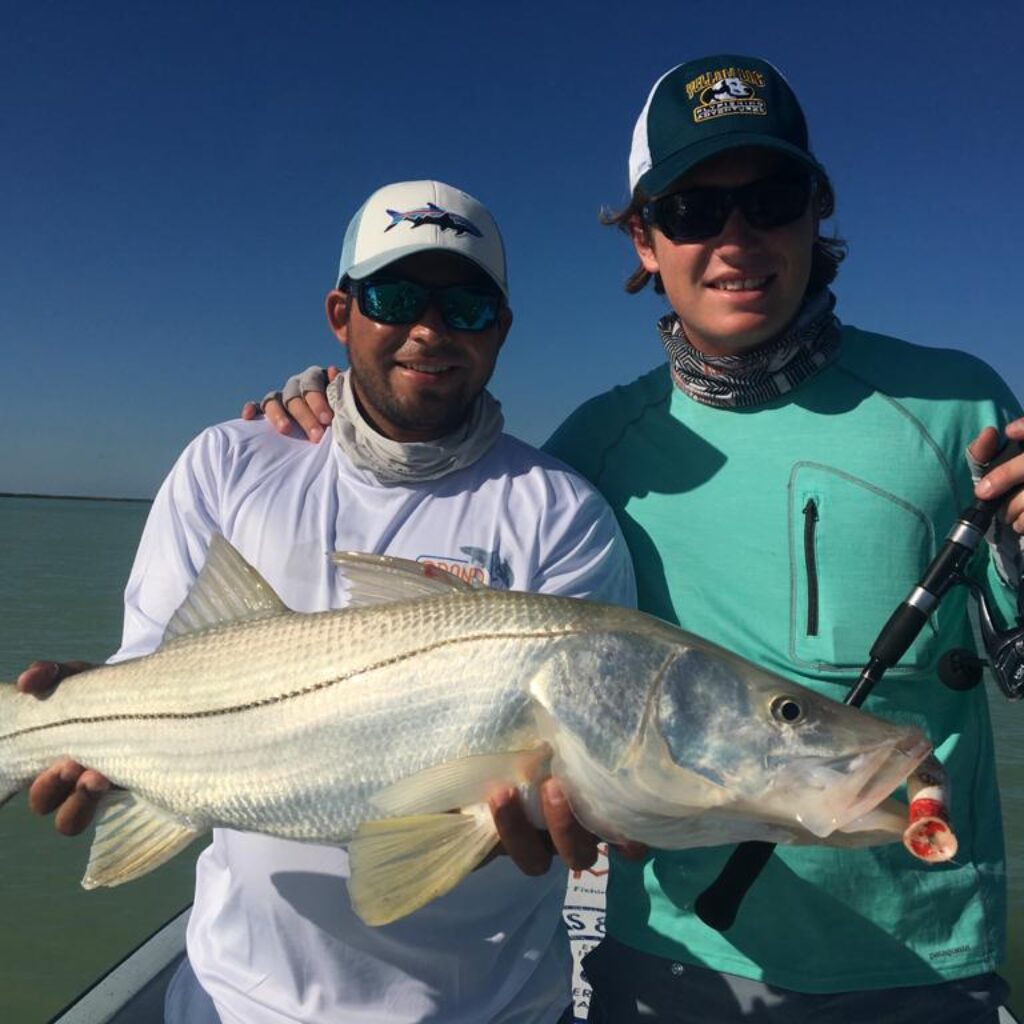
point(302, 400)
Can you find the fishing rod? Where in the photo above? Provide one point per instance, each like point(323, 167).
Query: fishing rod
point(959, 669)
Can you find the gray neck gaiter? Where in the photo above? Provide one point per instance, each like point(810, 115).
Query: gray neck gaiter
point(394, 462)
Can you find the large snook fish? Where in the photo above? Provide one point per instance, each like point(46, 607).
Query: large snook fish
point(368, 726)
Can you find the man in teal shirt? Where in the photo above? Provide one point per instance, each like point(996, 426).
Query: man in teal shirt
point(782, 482)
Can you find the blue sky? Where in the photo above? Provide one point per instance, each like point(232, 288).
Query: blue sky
point(177, 179)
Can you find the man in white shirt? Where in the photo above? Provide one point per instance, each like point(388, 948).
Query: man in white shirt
point(419, 468)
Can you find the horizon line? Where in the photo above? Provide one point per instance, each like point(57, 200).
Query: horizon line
point(70, 497)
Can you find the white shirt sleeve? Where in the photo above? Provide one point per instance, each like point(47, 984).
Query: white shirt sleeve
point(591, 560)
point(184, 517)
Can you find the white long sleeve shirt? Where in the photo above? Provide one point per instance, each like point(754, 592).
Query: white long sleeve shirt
point(273, 937)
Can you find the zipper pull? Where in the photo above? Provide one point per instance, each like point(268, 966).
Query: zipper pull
point(811, 565)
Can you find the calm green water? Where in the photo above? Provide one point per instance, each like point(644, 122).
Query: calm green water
point(63, 565)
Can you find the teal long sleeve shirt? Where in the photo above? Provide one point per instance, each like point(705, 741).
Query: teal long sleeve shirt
point(788, 533)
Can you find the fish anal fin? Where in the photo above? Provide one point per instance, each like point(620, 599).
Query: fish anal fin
point(227, 589)
point(400, 864)
point(132, 838)
point(464, 782)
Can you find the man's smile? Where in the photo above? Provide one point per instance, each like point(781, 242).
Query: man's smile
point(742, 284)
point(432, 369)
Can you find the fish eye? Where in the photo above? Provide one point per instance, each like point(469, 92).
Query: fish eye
point(787, 710)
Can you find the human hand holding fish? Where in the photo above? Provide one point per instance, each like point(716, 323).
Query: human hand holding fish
point(532, 849)
point(655, 734)
point(66, 789)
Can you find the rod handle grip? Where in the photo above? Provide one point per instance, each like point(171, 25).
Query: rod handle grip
point(719, 903)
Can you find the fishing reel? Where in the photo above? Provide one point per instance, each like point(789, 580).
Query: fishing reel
point(961, 669)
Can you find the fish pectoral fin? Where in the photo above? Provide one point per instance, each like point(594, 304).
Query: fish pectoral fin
point(132, 838)
point(400, 864)
point(463, 782)
point(227, 589)
point(384, 579)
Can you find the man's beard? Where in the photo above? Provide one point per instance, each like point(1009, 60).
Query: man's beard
point(433, 413)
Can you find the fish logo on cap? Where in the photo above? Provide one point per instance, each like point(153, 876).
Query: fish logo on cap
point(436, 215)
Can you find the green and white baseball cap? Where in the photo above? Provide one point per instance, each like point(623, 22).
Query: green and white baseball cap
point(421, 216)
point(707, 106)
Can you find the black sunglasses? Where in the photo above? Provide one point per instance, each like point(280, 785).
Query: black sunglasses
point(463, 307)
point(696, 214)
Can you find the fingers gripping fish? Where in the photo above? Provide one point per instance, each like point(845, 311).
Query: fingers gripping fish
point(364, 726)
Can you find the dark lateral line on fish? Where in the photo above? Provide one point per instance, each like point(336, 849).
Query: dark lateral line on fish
point(158, 716)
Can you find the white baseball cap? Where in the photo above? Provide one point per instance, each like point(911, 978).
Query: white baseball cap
point(421, 216)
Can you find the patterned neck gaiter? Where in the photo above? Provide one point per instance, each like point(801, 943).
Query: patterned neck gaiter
point(751, 378)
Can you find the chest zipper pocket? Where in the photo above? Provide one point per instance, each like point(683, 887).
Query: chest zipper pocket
point(810, 511)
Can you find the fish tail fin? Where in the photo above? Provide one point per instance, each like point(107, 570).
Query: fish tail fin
point(11, 711)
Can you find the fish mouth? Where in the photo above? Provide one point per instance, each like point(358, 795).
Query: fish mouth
point(856, 783)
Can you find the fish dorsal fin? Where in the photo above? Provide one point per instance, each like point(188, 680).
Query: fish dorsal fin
point(132, 838)
point(384, 579)
point(401, 864)
point(227, 589)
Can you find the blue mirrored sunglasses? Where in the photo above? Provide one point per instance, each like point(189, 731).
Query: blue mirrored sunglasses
point(397, 301)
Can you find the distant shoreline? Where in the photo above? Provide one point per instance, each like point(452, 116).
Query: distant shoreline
point(73, 497)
